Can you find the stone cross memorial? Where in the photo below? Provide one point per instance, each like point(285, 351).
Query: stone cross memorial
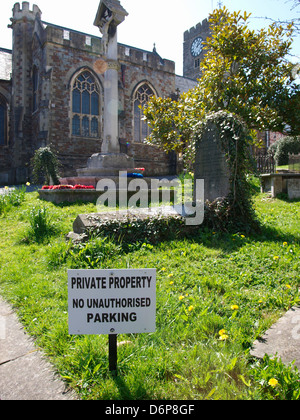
point(110, 161)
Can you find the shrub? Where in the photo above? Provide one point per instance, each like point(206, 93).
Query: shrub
point(45, 164)
point(283, 147)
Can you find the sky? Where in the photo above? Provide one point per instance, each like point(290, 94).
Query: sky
point(162, 22)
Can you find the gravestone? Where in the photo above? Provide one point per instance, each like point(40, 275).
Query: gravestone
point(293, 187)
point(211, 165)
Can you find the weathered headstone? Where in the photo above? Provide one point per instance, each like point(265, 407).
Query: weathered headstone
point(211, 165)
point(293, 187)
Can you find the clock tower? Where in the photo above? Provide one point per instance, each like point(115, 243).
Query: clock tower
point(193, 52)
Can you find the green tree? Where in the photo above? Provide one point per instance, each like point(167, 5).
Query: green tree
point(244, 72)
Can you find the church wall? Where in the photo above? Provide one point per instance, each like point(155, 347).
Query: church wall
point(139, 66)
point(65, 58)
point(21, 139)
point(6, 173)
point(40, 112)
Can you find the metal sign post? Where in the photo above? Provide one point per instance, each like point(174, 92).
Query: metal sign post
point(113, 352)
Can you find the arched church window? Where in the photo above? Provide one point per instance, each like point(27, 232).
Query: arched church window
point(141, 98)
point(3, 122)
point(85, 106)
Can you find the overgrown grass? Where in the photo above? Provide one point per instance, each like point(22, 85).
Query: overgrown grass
point(41, 226)
point(216, 293)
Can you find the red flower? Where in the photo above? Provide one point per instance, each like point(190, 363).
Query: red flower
point(68, 187)
point(62, 187)
point(83, 187)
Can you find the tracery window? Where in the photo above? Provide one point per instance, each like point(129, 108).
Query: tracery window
point(85, 106)
point(3, 122)
point(141, 98)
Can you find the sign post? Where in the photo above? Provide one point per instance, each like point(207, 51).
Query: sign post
point(113, 352)
point(112, 302)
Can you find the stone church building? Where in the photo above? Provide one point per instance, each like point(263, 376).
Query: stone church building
point(51, 93)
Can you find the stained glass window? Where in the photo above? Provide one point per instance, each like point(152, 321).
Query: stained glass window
point(94, 127)
point(76, 125)
point(85, 106)
point(141, 98)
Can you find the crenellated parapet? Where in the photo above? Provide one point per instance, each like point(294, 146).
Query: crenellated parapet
point(25, 12)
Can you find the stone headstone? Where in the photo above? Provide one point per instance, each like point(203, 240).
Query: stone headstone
point(293, 187)
point(211, 165)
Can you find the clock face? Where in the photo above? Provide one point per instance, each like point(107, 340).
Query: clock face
point(197, 47)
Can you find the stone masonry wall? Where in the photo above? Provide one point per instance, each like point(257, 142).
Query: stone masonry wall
point(6, 174)
point(191, 64)
point(57, 55)
point(66, 58)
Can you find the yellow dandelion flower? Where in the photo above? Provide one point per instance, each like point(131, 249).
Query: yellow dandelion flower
point(163, 269)
point(243, 236)
point(223, 337)
point(170, 275)
point(275, 258)
point(234, 307)
point(273, 382)
point(181, 297)
point(222, 332)
point(285, 243)
point(190, 308)
point(6, 187)
point(288, 286)
point(28, 184)
point(171, 282)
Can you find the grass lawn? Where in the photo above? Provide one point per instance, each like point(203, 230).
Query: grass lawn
point(216, 293)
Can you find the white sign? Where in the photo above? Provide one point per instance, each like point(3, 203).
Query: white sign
point(111, 301)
